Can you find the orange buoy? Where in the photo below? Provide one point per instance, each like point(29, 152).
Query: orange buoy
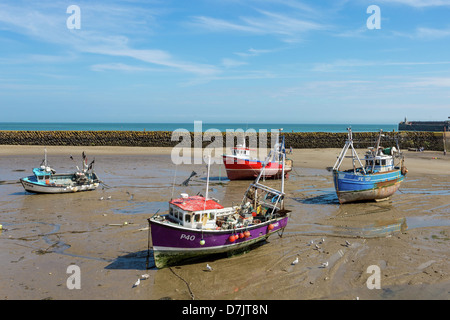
point(270, 227)
point(231, 238)
point(254, 214)
point(247, 234)
point(241, 235)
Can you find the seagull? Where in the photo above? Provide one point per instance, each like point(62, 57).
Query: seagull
point(137, 283)
point(145, 276)
point(101, 198)
point(324, 264)
point(295, 261)
point(109, 197)
point(208, 267)
point(348, 243)
point(317, 247)
point(323, 240)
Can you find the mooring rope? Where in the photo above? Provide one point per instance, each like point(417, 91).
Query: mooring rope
point(187, 284)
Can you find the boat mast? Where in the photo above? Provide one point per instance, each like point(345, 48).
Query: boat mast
point(256, 183)
point(283, 152)
point(207, 182)
point(348, 144)
point(376, 150)
point(379, 140)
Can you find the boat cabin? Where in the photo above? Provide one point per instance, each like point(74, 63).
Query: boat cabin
point(241, 151)
point(196, 212)
point(381, 162)
point(43, 173)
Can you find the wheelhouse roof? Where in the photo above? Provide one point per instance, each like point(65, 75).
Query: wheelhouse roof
point(195, 203)
point(41, 172)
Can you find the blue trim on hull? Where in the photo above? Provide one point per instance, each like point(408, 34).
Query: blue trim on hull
point(352, 186)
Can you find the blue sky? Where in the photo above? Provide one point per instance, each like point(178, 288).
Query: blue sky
point(249, 61)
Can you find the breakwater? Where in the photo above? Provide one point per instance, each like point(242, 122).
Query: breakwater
point(297, 140)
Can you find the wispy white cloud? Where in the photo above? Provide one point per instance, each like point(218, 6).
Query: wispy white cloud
point(418, 3)
point(324, 88)
point(121, 67)
point(340, 65)
point(231, 63)
point(157, 57)
point(431, 34)
point(254, 52)
point(287, 28)
point(437, 82)
point(49, 26)
point(214, 24)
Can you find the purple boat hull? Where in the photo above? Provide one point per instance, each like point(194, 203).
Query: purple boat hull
point(173, 244)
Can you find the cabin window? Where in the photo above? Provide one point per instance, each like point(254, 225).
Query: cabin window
point(383, 162)
point(47, 177)
point(197, 218)
point(40, 177)
point(377, 162)
point(212, 216)
point(187, 218)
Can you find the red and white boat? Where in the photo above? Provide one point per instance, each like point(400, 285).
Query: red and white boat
point(241, 166)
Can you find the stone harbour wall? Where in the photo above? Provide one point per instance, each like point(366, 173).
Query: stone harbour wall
point(427, 140)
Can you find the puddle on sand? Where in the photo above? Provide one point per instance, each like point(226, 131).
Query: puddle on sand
point(434, 192)
point(35, 232)
point(377, 229)
point(143, 207)
point(427, 221)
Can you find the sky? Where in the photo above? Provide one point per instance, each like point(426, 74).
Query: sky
point(221, 61)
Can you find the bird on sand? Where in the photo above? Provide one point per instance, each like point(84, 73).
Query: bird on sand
point(208, 267)
point(137, 283)
point(145, 276)
point(348, 243)
point(101, 198)
point(295, 261)
point(317, 247)
point(324, 264)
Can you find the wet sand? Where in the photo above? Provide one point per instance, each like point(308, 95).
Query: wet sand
point(407, 236)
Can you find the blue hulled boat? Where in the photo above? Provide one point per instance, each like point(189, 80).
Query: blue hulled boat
point(46, 180)
point(378, 178)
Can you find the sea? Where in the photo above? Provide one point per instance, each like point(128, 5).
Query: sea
point(193, 127)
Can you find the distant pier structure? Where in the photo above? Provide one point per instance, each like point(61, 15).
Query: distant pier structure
point(435, 126)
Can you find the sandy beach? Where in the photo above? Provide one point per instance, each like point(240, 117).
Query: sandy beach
point(406, 237)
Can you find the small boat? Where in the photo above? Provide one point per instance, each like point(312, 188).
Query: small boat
point(198, 226)
point(379, 178)
point(241, 166)
point(46, 180)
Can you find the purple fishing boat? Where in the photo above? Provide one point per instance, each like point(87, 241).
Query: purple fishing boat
point(197, 226)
